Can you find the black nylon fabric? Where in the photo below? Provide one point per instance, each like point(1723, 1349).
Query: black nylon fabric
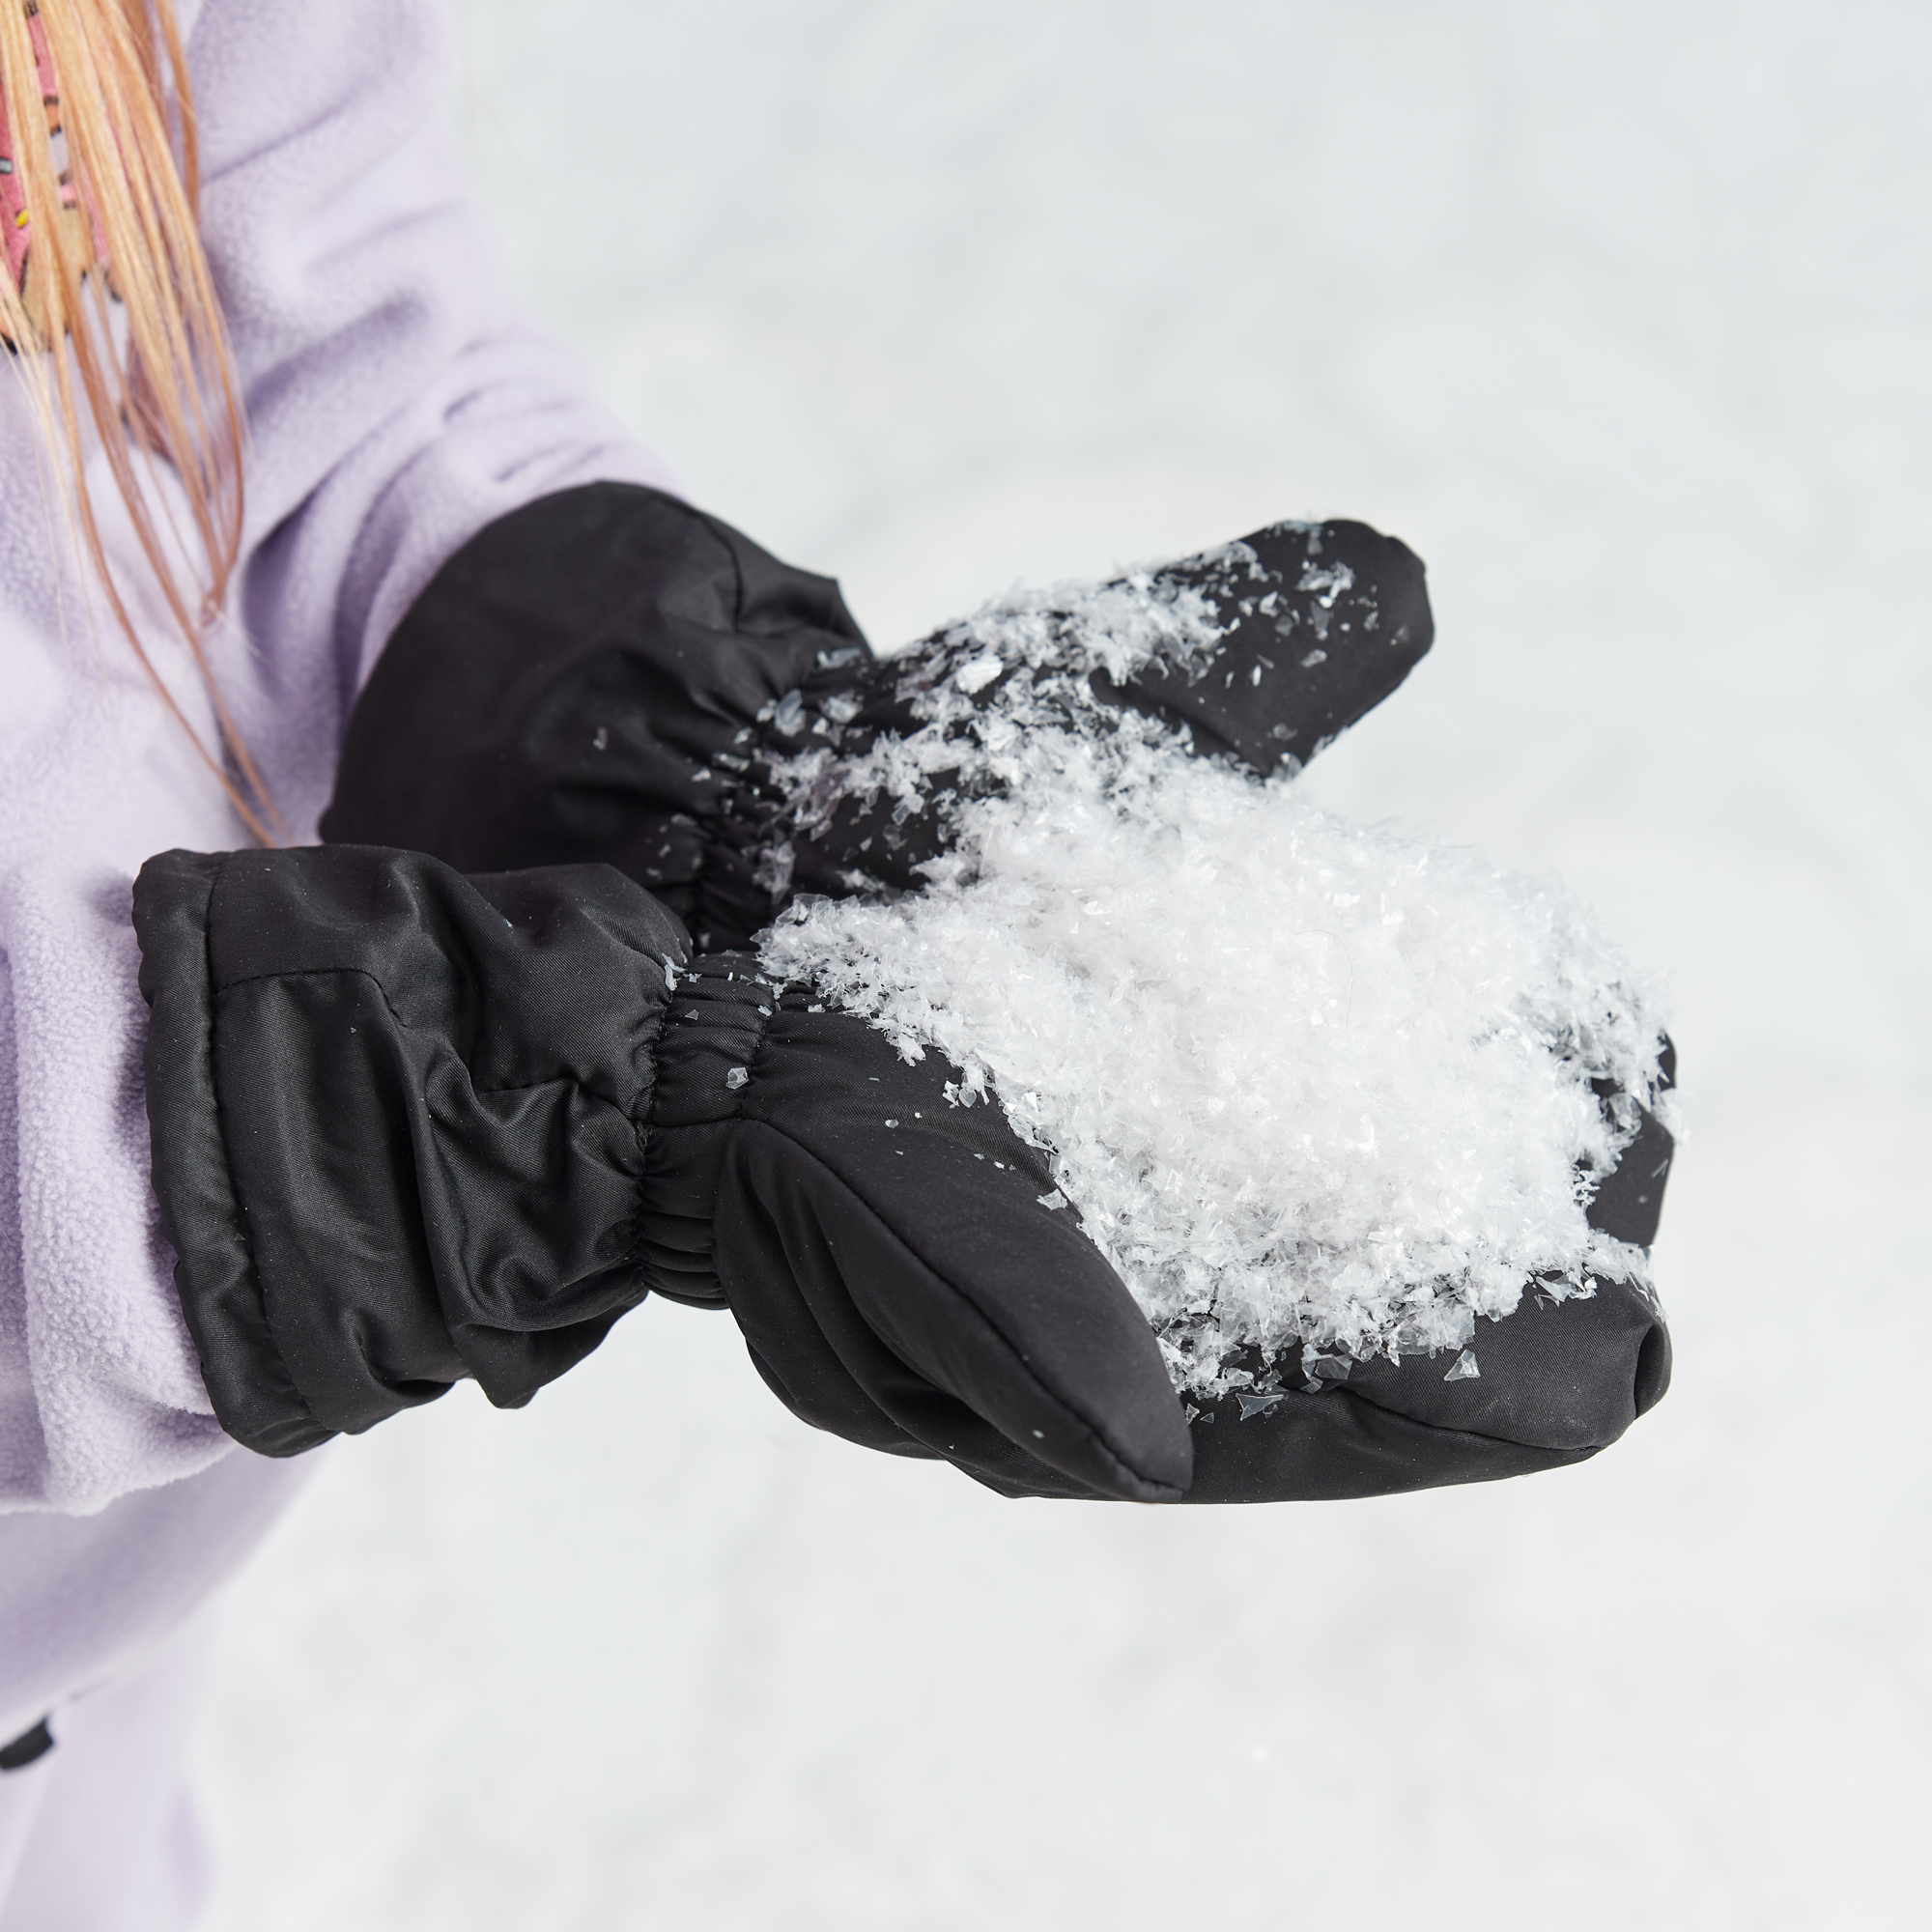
point(1337, 618)
point(220, 1292)
point(426, 1128)
point(407, 1146)
point(887, 1255)
point(582, 682)
point(1560, 1382)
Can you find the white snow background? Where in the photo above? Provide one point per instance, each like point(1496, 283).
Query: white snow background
point(1619, 315)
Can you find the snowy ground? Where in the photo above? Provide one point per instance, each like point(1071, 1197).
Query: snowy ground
point(1619, 315)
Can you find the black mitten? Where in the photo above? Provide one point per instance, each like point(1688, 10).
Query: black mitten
point(1312, 626)
point(1557, 1382)
point(608, 675)
point(411, 1128)
point(818, 1294)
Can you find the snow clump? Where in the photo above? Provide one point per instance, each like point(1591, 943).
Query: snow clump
point(1307, 1083)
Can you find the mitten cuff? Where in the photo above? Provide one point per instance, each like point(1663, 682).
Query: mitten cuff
point(215, 1276)
point(398, 1122)
point(598, 677)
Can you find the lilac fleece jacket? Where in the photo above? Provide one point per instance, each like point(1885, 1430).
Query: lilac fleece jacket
point(396, 404)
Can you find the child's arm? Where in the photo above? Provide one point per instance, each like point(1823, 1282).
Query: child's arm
point(396, 404)
point(396, 401)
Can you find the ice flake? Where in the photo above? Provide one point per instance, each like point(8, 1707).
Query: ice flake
point(737, 1077)
point(773, 869)
point(978, 673)
point(1327, 583)
point(1463, 1368)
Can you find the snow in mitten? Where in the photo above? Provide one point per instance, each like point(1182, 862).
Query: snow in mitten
point(1375, 1133)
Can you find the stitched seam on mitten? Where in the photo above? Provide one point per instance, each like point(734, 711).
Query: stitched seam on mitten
point(237, 1213)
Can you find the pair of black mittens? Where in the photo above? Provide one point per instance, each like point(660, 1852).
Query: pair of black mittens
point(411, 1128)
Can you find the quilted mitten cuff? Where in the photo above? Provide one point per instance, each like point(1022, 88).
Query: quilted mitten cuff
point(398, 1122)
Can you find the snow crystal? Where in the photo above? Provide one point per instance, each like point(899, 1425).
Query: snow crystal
point(977, 675)
point(1307, 1084)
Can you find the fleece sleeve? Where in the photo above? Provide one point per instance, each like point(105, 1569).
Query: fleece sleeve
point(396, 401)
point(396, 404)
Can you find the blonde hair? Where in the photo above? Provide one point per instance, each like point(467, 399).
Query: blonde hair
point(116, 216)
